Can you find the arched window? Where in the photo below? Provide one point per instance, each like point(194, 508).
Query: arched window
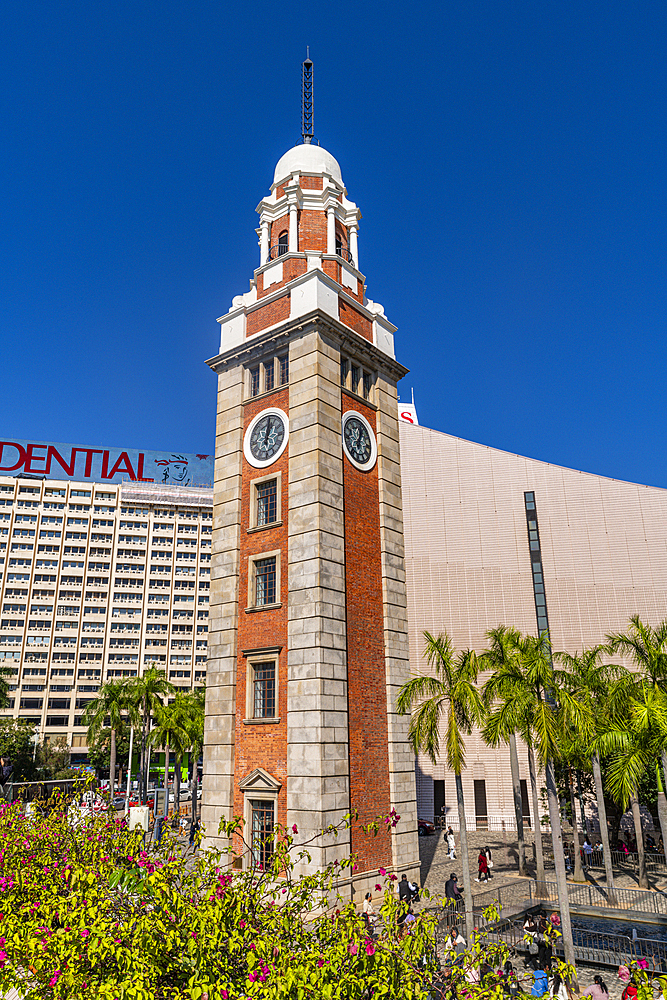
point(341, 241)
point(283, 243)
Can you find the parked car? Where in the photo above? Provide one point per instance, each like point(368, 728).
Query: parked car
point(424, 828)
point(185, 795)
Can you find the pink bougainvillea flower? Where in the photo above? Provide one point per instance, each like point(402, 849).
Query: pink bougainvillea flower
point(353, 949)
point(85, 933)
point(378, 887)
point(295, 829)
point(382, 871)
point(370, 947)
point(320, 962)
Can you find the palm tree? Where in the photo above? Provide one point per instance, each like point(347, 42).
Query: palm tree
point(589, 680)
point(515, 698)
point(170, 732)
point(145, 695)
point(183, 707)
point(194, 711)
point(570, 757)
point(6, 674)
point(646, 647)
point(449, 692)
point(648, 713)
point(502, 657)
point(111, 703)
point(633, 740)
point(553, 706)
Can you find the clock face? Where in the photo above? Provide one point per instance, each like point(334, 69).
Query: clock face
point(359, 441)
point(266, 438)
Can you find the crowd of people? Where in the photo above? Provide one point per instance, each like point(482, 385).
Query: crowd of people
point(540, 980)
point(592, 850)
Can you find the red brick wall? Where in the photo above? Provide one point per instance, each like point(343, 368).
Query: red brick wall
point(352, 317)
point(311, 183)
point(263, 745)
point(292, 268)
point(272, 312)
point(312, 230)
point(332, 268)
point(279, 226)
point(367, 697)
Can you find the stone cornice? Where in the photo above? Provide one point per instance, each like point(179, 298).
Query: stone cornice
point(279, 335)
point(310, 199)
point(332, 284)
point(303, 255)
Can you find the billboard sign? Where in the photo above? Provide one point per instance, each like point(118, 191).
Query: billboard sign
point(407, 412)
point(49, 460)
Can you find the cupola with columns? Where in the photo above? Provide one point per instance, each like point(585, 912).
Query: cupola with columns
point(309, 255)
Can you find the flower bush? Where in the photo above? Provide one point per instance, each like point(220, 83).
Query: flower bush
point(88, 910)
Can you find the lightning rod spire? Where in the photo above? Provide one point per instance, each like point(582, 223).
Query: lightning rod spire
point(307, 98)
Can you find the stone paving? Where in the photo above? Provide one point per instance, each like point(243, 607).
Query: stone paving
point(436, 868)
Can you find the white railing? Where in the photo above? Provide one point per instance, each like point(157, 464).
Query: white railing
point(480, 824)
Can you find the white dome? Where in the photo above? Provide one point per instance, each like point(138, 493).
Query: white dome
point(307, 159)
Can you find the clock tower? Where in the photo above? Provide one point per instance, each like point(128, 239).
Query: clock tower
point(308, 645)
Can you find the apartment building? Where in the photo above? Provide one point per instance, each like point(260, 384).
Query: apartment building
point(98, 582)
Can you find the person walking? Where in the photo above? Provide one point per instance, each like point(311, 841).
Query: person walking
point(452, 890)
point(489, 860)
point(540, 982)
point(544, 950)
point(587, 851)
point(451, 844)
point(404, 892)
point(530, 930)
point(509, 980)
point(598, 990)
point(194, 827)
point(483, 868)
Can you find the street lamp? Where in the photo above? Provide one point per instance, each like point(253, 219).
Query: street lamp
point(35, 740)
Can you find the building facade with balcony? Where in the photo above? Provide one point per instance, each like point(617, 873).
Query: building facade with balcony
point(98, 581)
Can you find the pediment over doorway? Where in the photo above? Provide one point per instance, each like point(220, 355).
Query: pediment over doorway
point(260, 780)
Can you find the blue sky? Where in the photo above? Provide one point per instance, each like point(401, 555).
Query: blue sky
point(509, 160)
